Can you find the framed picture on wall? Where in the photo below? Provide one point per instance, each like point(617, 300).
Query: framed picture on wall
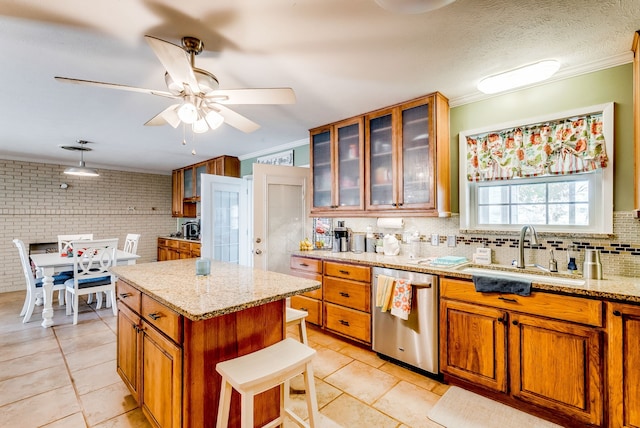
point(282, 158)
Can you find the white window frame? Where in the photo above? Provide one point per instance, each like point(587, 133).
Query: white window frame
point(600, 205)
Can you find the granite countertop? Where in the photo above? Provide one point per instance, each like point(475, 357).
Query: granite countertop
point(179, 238)
point(620, 288)
point(229, 288)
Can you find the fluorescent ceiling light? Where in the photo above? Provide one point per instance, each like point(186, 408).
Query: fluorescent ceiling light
point(519, 77)
point(412, 6)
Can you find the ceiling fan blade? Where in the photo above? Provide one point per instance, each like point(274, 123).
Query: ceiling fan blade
point(253, 96)
point(115, 86)
point(236, 120)
point(176, 61)
point(168, 115)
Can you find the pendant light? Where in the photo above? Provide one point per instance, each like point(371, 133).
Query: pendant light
point(81, 169)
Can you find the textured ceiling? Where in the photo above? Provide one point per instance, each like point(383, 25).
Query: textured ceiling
point(342, 58)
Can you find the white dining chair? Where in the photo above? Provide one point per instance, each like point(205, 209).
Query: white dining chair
point(131, 243)
point(91, 263)
point(34, 285)
point(65, 240)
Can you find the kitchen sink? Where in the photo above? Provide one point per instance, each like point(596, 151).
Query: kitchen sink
point(510, 274)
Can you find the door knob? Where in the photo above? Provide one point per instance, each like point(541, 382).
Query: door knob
point(258, 240)
point(258, 251)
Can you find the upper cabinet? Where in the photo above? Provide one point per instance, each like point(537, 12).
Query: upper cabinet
point(405, 160)
point(338, 167)
point(186, 183)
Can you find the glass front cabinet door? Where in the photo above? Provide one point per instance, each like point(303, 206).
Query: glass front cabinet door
point(401, 157)
point(338, 167)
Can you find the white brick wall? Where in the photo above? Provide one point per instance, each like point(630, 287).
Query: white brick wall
point(34, 209)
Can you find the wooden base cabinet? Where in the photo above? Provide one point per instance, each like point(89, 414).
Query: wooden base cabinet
point(175, 249)
point(543, 350)
point(623, 327)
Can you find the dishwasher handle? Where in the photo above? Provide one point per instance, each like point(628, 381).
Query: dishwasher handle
point(415, 284)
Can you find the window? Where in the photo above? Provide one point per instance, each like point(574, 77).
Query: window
point(581, 202)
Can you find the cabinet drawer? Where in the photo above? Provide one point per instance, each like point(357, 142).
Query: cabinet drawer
point(306, 264)
point(567, 308)
point(184, 246)
point(195, 250)
point(162, 242)
point(347, 271)
point(163, 318)
point(313, 306)
point(356, 295)
point(173, 243)
point(348, 322)
point(315, 294)
point(128, 295)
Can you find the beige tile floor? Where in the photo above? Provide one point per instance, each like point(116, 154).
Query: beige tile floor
point(65, 376)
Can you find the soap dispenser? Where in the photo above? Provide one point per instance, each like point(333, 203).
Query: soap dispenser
point(572, 256)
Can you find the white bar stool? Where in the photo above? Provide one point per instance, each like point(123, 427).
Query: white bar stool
point(254, 373)
point(296, 316)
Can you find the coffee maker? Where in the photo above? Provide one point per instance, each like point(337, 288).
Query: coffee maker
point(341, 236)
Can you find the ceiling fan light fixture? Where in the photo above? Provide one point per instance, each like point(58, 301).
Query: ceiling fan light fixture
point(518, 77)
point(200, 126)
point(188, 112)
point(214, 119)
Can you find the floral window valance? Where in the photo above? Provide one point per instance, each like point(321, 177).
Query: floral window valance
point(563, 146)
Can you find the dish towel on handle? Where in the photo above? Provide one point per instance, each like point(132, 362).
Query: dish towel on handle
point(384, 292)
point(401, 303)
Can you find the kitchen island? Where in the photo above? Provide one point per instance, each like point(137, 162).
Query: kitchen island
point(174, 327)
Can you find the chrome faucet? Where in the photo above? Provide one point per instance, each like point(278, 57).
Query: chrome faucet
point(534, 241)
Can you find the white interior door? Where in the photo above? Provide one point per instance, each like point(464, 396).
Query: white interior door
point(280, 211)
point(224, 219)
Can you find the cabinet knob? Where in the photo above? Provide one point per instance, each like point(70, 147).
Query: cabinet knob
point(514, 322)
point(617, 313)
point(501, 320)
point(394, 204)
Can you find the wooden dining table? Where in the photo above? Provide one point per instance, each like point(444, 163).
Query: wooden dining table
point(53, 263)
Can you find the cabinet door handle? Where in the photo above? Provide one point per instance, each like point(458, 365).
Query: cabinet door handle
point(343, 322)
point(304, 265)
point(617, 313)
point(124, 295)
point(343, 294)
point(514, 322)
point(155, 316)
point(344, 272)
point(304, 309)
point(506, 299)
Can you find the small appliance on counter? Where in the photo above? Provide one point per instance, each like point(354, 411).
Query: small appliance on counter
point(341, 238)
point(191, 230)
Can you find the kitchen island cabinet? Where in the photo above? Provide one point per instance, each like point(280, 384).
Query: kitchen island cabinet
point(543, 350)
point(174, 327)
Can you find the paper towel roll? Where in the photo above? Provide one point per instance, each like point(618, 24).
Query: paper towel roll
point(390, 223)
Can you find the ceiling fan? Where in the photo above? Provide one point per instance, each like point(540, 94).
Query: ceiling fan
point(200, 103)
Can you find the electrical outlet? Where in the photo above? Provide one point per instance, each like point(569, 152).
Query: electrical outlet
point(451, 240)
point(435, 239)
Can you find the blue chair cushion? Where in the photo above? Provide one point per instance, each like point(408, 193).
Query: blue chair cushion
point(60, 278)
point(86, 283)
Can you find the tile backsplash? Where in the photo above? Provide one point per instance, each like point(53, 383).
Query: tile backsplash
point(620, 252)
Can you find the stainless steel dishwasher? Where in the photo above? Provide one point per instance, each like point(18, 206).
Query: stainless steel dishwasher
point(414, 341)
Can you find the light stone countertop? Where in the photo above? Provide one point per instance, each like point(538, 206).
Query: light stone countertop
point(229, 288)
point(620, 288)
